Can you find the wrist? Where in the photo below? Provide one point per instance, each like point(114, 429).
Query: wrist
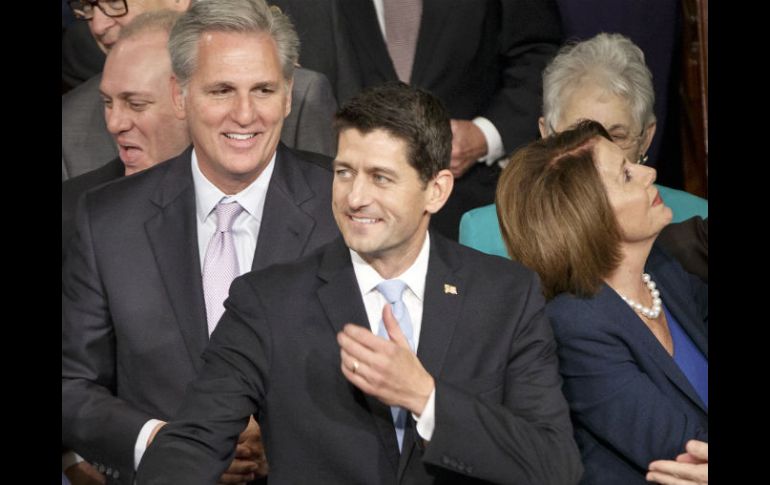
point(421, 397)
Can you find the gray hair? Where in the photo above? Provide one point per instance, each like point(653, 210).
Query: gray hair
point(155, 20)
point(613, 63)
point(242, 16)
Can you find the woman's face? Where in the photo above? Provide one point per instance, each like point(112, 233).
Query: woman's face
point(613, 112)
point(638, 208)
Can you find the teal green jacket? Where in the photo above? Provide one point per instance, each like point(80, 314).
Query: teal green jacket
point(480, 230)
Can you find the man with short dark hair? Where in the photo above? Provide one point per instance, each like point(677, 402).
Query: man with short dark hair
point(392, 355)
point(154, 253)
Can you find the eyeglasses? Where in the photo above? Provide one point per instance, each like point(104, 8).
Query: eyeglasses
point(625, 141)
point(84, 9)
point(621, 140)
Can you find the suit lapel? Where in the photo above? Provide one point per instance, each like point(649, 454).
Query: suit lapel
point(285, 227)
point(620, 311)
point(428, 40)
point(673, 299)
point(341, 300)
point(676, 301)
point(366, 36)
point(172, 232)
point(444, 295)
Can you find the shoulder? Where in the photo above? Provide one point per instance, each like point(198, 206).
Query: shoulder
point(485, 270)
point(290, 279)
point(571, 315)
point(305, 78)
point(311, 163)
point(127, 194)
point(85, 93)
point(75, 186)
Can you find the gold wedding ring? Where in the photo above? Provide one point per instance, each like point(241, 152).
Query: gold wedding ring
point(355, 366)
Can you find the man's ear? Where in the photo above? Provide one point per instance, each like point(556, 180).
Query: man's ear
point(541, 127)
point(289, 88)
point(177, 98)
point(438, 190)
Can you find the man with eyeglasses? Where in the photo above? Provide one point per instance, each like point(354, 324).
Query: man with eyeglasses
point(86, 143)
point(114, 13)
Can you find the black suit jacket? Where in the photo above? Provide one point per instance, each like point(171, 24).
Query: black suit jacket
point(500, 413)
point(688, 242)
point(73, 188)
point(480, 57)
point(134, 320)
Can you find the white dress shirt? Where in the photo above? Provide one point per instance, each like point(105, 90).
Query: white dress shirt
point(414, 296)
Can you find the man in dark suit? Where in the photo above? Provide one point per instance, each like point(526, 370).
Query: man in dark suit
point(136, 101)
point(136, 298)
point(340, 394)
point(482, 58)
point(86, 141)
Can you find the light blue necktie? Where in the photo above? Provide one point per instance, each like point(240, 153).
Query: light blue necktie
point(392, 291)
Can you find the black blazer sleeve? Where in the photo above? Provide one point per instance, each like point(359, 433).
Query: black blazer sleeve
point(96, 424)
point(530, 37)
point(199, 441)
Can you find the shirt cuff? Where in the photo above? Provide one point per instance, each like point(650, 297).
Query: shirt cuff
point(141, 440)
point(427, 420)
point(495, 148)
point(69, 458)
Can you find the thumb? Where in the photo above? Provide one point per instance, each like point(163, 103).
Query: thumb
point(391, 325)
point(698, 449)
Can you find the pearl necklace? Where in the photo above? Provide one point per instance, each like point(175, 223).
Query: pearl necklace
point(657, 303)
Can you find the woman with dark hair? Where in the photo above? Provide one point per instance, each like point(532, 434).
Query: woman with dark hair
point(631, 324)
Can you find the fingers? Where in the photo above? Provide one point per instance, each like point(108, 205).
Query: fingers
point(678, 473)
point(393, 328)
point(356, 377)
point(698, 449)
point(241, 467)
point(665, 479)
point(246, 451)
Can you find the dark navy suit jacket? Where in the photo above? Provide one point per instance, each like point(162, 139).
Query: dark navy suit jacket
point(500, 413)
point(630, 404)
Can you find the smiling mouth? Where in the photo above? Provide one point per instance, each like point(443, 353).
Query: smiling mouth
point(240, 136)
point(363, 220)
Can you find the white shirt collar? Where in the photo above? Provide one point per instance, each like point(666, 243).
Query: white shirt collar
point(252, 198)
point(368, 278)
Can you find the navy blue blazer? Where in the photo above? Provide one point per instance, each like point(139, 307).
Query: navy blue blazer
point(630, 403)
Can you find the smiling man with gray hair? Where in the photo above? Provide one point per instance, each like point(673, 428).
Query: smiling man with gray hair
point(154, 253)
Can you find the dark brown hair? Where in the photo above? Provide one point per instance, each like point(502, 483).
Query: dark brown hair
point(554, 212)
point(405, 112)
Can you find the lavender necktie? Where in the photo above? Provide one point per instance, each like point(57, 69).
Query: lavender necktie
point(392, 290)
point(220, 266)
point(402, 27)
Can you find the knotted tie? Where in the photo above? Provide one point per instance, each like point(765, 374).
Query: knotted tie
point(402, 27)
point(220, 266)
point(392, 290)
